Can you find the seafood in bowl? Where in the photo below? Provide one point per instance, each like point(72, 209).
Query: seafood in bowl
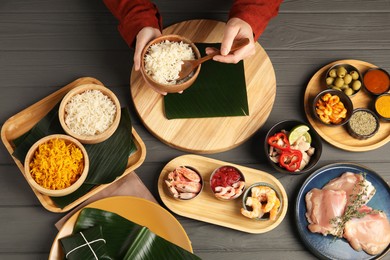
point(184, 183)
point(261, 201)
point(227, 182)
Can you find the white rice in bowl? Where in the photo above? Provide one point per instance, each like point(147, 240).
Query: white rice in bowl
point(163, 60)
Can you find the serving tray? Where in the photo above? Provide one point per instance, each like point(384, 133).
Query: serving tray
point(207, 208)
point(338, 136)
point(208, 135)
point(23, 121)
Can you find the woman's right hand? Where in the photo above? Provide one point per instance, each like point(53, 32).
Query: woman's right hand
point(143, 37)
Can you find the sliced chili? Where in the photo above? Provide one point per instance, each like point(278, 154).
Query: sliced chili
point(290, 159)
point(274, 141)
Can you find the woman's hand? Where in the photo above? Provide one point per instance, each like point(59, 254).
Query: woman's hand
point(235, 29)
point(143, 37)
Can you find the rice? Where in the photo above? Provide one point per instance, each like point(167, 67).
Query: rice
point(163, 60)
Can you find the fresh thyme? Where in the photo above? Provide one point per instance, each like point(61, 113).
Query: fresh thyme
point(357, 199)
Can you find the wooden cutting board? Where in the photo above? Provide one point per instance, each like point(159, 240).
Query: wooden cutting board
point(208, 135)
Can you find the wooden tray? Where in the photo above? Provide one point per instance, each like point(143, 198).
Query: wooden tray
point(22, 122)
point(338, 136)
point(207, 208)
point(208, 135)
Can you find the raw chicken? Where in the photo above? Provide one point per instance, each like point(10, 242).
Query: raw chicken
point(370, 233)
point(304, 147)
point(323, 206)
point(349, 182)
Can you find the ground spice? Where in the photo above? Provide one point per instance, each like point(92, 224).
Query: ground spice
point(382, 106)
point(363, 123)
point(376, 81)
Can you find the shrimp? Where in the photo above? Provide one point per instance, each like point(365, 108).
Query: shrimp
point(225, 192)
point(188, 173)
point(256, 208)
point(274, 210)
point(265, 194)
point(172, 189)
point(238, 187)
point(183, 186)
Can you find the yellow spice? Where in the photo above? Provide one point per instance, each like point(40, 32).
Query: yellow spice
point(382, 106)
point(56, 164)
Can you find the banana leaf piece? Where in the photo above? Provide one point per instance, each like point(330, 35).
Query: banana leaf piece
point(128, 240)
point(87, 245)
point(108, 159)
point(219, 91)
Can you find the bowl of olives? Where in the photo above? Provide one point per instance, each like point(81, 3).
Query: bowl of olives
point(344, 77)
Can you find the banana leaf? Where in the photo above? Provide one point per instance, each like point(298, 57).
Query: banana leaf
point(128, 240)
point(107, 160)
point(219, 91)
point(86, 245)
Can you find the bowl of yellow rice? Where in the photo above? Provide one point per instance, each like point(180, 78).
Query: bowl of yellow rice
point(56, 165)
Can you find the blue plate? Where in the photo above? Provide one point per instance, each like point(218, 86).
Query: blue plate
point(329, 247)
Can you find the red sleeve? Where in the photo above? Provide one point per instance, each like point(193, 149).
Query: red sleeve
point(256, 13)
point(133, 15)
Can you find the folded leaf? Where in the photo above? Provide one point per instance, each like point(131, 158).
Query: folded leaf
point(128, 240)
point(219, 90)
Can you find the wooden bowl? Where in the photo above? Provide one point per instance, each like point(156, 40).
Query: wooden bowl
point(90, 139)
point(174, 88)
point(60, 192)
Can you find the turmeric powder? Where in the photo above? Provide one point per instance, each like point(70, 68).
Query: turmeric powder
point(382, 106)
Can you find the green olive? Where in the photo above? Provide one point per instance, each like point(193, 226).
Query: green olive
point(336, 88)
point(339, 82)
point(329, 80)
point(341, 71)
point(354, 74)
point(347, 79)
point(345, 86)
point(356, 84)
point(332, 73)
point(348, 91)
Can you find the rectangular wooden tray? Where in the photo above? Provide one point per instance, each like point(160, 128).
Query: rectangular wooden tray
point(23, 121)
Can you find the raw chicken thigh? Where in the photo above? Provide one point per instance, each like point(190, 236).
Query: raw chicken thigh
point(370, 233)
point(349, 182)
point(322, 206)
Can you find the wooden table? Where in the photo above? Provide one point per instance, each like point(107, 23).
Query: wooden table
point(46, 44)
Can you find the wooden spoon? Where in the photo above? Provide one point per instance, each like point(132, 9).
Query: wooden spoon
point(190, 65)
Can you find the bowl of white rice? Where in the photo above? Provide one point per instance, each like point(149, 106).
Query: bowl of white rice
point(90, 113)
point(162, 60)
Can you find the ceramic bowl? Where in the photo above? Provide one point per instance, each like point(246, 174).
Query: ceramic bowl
point(59, 192)
point(362, 123)
point(385, 98)
point(248, 193)
point(227, 182)
point(183, 84)
point(343, 98)
point(184, 183)
point(288, 125)
point(372, 88)
point(98, 137)
point(349, 68)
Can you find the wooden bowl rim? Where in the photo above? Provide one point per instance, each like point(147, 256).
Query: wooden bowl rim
point(95, 138)
point(56, 193)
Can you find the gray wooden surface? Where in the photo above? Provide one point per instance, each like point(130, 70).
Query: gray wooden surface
point(45, 44)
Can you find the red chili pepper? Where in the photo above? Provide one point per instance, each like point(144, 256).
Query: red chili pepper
point(273, 141)
point(290, 159)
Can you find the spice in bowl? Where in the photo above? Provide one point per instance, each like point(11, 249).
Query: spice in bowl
point(382, 106)
point(227, 182)
point(376, 81)
point(363, 124)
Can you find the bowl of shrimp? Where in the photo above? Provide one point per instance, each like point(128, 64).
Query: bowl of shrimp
point(261, 201)
point(227, 182)
point(184, 183)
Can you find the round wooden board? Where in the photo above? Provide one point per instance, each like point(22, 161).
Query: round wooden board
point(208, 135)
point(338, 136)
point(206, 207)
